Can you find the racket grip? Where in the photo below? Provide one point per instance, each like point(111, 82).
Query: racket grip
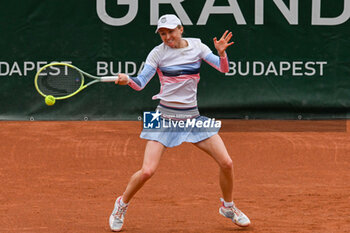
point(109, 78)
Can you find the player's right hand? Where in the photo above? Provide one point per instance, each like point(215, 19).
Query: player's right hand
point(123, 79)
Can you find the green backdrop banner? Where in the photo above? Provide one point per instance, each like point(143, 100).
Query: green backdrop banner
point(290, 59)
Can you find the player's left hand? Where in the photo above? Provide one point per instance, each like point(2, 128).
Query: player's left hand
point(224, 42)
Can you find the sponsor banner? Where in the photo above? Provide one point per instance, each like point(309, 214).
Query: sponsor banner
point(132, 68)
point(290, 57)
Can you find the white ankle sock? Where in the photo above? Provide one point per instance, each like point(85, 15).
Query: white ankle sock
point(228, 204)
point(122, 203)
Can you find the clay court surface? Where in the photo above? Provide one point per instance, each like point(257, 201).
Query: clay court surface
point(290, 176)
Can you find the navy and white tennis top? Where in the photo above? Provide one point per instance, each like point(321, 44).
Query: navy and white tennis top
point(178, 71)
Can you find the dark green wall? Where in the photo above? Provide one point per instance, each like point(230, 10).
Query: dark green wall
point(35, 31)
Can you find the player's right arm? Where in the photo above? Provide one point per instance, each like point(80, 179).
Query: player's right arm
point(139, 82)
point(147, 73)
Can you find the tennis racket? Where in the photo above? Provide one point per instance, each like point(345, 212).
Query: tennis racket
point(63, 80)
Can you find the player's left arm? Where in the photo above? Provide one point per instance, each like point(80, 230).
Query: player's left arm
point(220, 62)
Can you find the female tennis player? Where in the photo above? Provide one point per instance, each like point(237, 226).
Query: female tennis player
point(177, 61)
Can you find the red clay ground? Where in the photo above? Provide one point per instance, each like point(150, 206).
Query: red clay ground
point(64, 177)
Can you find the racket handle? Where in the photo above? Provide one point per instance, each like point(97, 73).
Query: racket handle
point(109, 78)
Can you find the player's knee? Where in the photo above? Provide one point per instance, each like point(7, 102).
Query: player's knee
point(147, 173)
point(227, 165)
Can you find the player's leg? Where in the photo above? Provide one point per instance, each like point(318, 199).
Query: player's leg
point(215, 147)
point(153, 153)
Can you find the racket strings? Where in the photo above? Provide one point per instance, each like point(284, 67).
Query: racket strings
point(59, 80)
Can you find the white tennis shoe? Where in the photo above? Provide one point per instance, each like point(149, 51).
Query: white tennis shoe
point(116, 219)
point(233, 213)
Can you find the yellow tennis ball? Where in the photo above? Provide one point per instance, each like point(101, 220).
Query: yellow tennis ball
point(50, 100)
